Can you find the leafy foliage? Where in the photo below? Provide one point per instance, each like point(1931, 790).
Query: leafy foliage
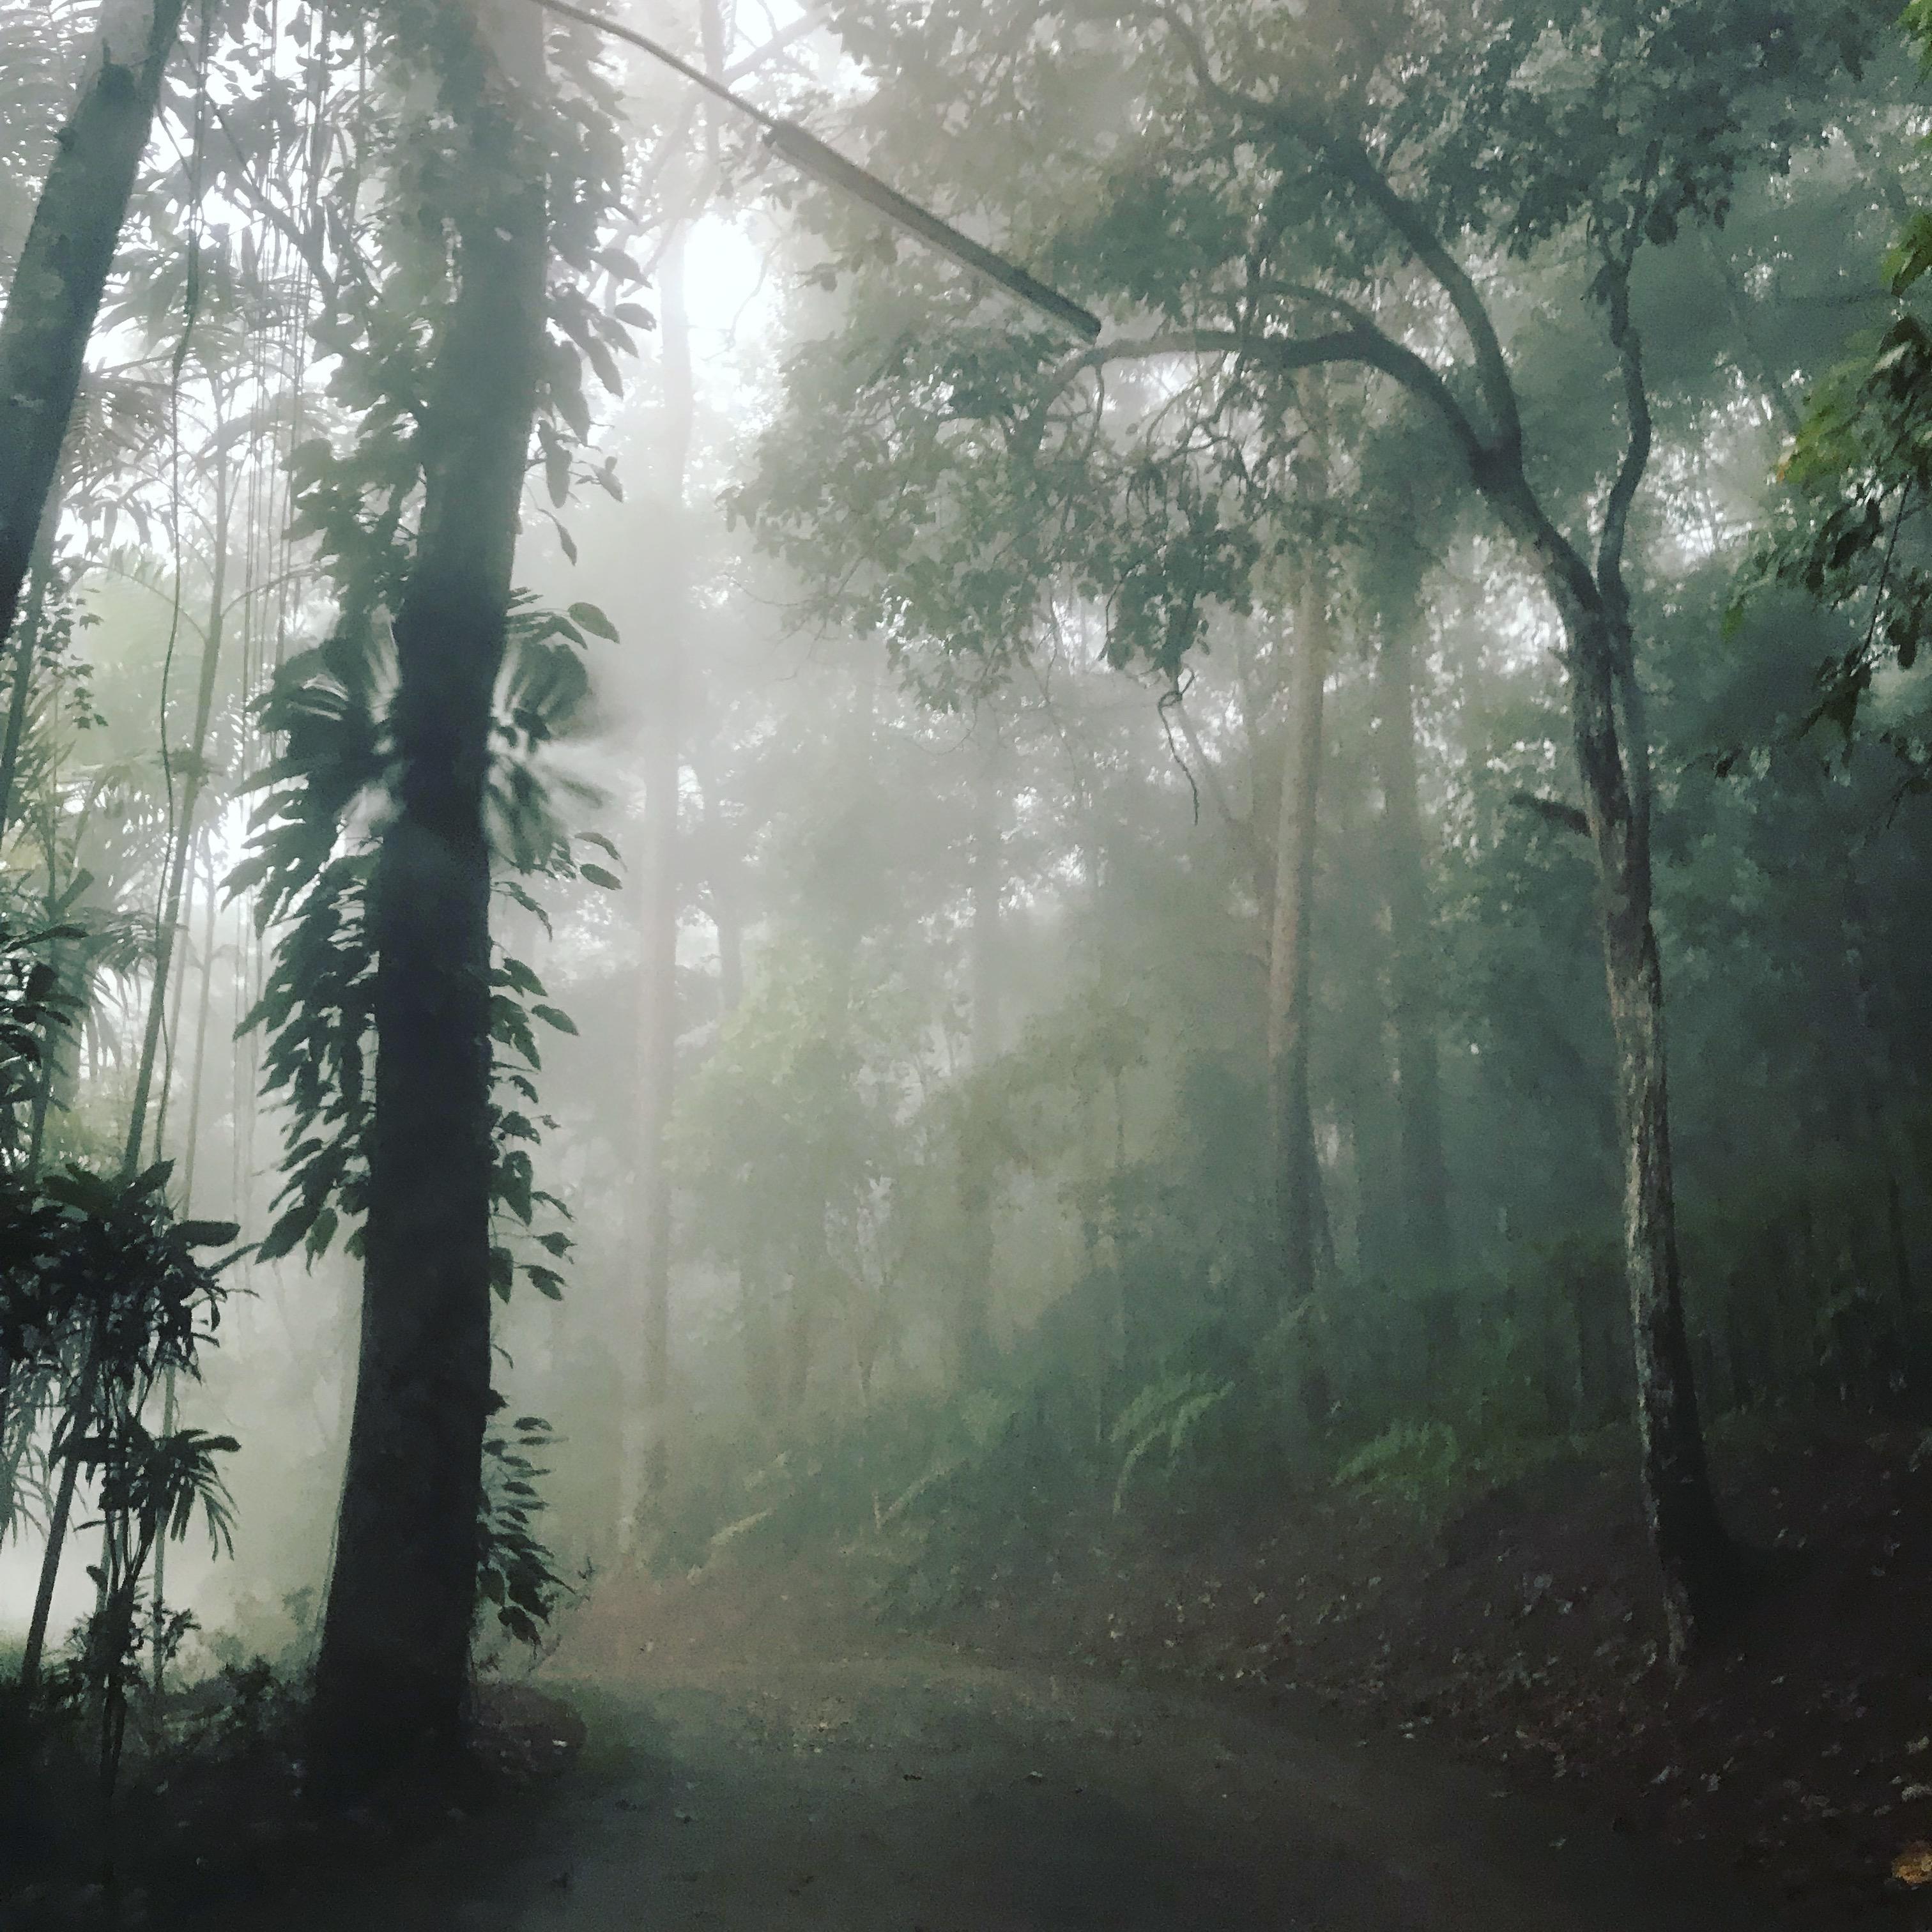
point(1163, 1416)
point(515, 1573)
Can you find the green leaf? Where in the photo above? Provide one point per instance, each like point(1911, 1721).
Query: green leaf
point(322, 1232)
point(594, 621)
point(555, 1016)
point(208, 1234)
point(598, 876)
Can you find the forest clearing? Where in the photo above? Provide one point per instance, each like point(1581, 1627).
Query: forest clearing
point(1039, 872)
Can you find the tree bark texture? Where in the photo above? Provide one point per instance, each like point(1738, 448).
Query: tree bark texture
point(1610, 731)
point(392, 1674)
point(56, 290)
point(1693, 1552)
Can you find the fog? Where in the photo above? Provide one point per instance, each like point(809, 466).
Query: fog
point(1227, 1006)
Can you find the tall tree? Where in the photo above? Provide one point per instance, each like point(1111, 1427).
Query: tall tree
point(1412, 966)
point(661, 894)
point(971, 1311)
point(1291, 949)
point(392, 1674)
point(1373, 194)
point(57, 282)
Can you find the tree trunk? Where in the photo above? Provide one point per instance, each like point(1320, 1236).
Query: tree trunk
point(1425, 1175)
point(57, 281)
point(801, 1334)
point(191, 1139)
point(661, 897)
point(1297, 1180)
point(974, 1358)
point(1692, 1551)
point(80, 1418)
point(392, 1673)
point(721, 896)
point(167, 931)
point(1610, 731)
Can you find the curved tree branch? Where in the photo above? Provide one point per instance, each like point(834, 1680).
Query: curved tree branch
point(1624, 338)
point(1347, 158)
point(1352, 160)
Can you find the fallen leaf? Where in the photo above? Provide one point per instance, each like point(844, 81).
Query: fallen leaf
point(1913, 1865)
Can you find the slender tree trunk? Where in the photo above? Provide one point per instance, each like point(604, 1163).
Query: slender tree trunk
point(661, 897)
point(1298, 1179)
point(972, 1353)
point(1693, 1552)
point(722, 895)
point(1610, 731)
point(191, 1139)
point(1425, 1175)
point(170, 1385)
point(173, 890)
point(758, 1318)
point(194, 783)
point(57, 281)
point(81, 1425)
point(391, 1676)
point(801, 1334)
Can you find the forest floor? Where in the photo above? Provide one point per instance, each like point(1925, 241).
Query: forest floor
point(1333, 1716)
point(1519, 1632)
point(751, 1773)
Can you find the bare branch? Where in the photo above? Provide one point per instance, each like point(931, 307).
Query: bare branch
point(1553, 810)
point(1363, 345)
point(1356, 165)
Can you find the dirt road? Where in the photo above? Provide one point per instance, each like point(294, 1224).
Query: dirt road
point(917, 1792)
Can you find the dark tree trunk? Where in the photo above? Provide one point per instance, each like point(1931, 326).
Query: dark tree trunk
point(1425, 1173)
point(57, 285)
point(392, 1678)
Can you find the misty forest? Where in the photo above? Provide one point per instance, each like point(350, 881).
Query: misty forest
point(963, 965)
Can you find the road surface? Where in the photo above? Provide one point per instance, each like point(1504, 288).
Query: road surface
point(918, 1792)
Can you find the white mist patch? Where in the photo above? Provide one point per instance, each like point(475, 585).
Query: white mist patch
point(726, 289)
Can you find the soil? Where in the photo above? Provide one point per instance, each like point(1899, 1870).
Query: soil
point(218, 1825)
point(1331, 1716)
point(1521, 1634)
point(738, 1777)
